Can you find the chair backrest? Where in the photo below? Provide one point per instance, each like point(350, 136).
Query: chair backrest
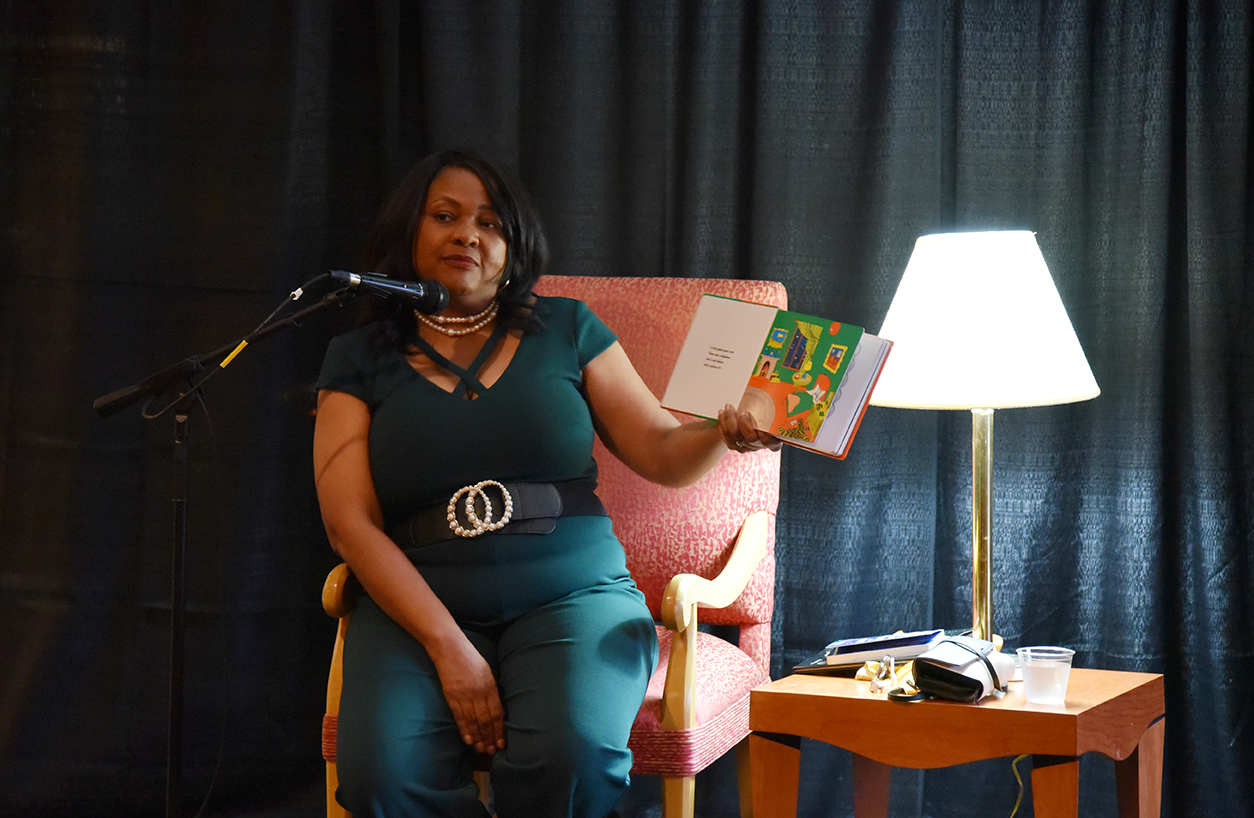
point(668, 531)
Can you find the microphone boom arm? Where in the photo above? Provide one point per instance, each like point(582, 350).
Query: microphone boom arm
point(163, 380)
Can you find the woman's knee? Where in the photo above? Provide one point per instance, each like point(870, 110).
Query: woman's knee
point(379, 786)
point(560, 767)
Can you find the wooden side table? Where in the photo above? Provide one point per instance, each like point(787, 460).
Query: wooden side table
point(1115, 713)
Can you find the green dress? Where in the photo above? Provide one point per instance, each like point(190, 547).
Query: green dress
point(556, 615)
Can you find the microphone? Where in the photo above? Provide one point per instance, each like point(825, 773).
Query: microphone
point(428, 297)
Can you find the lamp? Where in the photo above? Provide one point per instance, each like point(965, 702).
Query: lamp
point(977, 324)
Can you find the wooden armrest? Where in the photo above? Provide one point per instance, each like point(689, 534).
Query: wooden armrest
point(339, 592)
point(686, 591)
point(679, 614)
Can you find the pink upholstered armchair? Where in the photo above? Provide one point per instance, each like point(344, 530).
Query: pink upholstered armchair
point(710, 546)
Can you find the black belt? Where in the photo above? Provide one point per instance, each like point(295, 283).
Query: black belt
point(533, 509)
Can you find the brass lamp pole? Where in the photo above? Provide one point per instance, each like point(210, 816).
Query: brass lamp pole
point(982, 523)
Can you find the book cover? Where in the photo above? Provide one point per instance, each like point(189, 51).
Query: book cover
point(804, 379)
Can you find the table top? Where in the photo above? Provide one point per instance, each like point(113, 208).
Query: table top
point(1106, 711)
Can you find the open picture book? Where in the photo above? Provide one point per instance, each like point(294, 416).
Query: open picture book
point(804, 379)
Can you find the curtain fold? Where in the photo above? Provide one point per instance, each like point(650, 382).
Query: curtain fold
point(170, 174)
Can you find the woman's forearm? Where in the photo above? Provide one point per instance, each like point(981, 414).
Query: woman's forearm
point(396, 586)
point(684, 453)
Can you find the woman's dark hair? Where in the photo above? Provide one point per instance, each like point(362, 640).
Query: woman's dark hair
point(390, 245)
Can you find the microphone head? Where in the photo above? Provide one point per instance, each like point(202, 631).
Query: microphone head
point(434, 297)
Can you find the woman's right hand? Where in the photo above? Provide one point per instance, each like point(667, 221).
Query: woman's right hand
point(472, 695)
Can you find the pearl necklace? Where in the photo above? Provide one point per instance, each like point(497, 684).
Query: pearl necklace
point(450, 325)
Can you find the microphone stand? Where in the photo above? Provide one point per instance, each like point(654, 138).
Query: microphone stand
point(192, 371)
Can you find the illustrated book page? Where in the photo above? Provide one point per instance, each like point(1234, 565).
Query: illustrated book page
point(804, 379)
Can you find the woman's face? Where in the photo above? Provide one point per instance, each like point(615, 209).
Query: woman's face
point(459, 241)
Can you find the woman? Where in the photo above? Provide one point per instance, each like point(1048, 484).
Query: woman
point(527, 641)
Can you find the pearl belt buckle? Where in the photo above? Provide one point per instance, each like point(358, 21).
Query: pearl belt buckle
point(479, 526)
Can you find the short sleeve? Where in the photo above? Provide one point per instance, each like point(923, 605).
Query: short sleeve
point(592, 336)
point(344, 367)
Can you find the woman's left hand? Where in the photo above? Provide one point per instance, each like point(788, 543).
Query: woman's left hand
point(741, 435)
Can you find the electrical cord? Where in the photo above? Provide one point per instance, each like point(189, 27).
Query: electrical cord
point(227, 664)
point(1014, 767)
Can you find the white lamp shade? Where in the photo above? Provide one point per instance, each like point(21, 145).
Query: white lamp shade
point(977, 323)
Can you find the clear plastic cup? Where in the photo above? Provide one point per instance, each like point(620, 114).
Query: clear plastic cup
point(1045, 671)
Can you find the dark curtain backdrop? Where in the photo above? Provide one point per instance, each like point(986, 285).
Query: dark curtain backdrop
point(171, 172)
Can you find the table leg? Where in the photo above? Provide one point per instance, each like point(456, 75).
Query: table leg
point(870, 787)
point(775, 767)
point(1055, 786)
point(1139, 777)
